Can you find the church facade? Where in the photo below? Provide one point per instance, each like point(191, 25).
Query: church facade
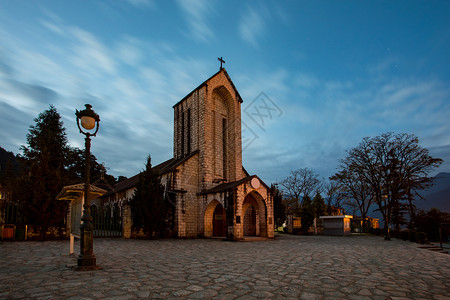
point(211, 192)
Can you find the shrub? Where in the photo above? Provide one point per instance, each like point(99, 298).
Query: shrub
point(411, 236)
point(420, 237)
point(404, 235)
point(376, 231)
point(395, 234)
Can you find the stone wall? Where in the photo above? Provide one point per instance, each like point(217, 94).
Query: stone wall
point(187, 212)
point(127, 221)
point(209, 120)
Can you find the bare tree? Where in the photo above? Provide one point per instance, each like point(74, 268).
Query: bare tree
point(334, 196)
point(301, 183)
point(392, 165)
point(355, 189)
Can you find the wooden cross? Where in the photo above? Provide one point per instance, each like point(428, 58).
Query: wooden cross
point(221, 62)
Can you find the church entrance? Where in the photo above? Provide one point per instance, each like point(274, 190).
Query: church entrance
point(215, 220)
point(250, 221)
point(219, 221)
point(254, 212)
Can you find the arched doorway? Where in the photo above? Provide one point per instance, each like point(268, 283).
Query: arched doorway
point(255, 215)
point(219, 221)
point(250, 221)
point(215, 220)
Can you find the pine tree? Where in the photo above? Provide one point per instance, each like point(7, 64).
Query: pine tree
point(279, 210)
point(44, 174)
point(319, 205)
point(307, 214)
point(147, 204)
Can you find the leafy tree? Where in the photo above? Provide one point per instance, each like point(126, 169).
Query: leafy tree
point(147, 204)
point(307, 214)
point(430, 221)
point(45, 173)
point(9, 163)
point(47, 164)
point(319, 206)
point(393, 165)
point(76, 167)
point(279, 212)
point(9, 171)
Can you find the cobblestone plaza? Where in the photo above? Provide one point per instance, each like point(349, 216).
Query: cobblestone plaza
point(305, 267)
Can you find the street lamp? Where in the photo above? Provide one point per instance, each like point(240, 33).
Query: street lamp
point(89, 121)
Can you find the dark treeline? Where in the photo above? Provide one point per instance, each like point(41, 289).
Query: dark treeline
point(32, 180)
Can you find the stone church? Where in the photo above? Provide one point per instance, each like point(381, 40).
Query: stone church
point(212, 193)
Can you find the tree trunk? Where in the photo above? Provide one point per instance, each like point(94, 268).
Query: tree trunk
point(412, 214)
point(363, 216)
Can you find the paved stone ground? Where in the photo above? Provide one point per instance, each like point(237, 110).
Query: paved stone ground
point(305, 267)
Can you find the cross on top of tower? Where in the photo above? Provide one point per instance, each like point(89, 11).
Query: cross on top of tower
point(221, 62)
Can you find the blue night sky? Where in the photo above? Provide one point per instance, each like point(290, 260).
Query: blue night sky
point(336, 71)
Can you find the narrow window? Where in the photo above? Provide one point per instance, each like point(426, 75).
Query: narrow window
point(189, 130)
point(182, 133)
point(177, 131)
point(224, 147)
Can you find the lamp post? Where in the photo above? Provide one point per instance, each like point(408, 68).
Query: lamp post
point(90, 122)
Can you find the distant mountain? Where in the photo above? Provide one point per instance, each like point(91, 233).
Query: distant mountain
point(438, 195)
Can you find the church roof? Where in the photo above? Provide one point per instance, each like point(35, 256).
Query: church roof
point(176, 162)
point(230, 185)
point(162, 168)
point(238, 96)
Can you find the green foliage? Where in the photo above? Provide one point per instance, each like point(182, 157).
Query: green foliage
point(9, 171)
point(430, 221)
point(404, 235)
point(36, 195)
point(319, 206)
point(34, 179)
point(307, 214)
point(47, 136)
point(147, 204)
point(76, 167)
point(279, 213)
point(44, 174)
point(421, 237)
point(9, 164)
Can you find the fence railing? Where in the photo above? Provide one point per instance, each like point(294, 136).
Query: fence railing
point(107, 221)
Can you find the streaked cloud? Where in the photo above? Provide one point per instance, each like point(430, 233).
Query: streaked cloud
point(90, 53)
point(322, 119)
point(197, 15)
point(142, 3)
point(334, 86)
point(252, 24)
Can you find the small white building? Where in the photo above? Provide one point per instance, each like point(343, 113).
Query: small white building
point(336, 225)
